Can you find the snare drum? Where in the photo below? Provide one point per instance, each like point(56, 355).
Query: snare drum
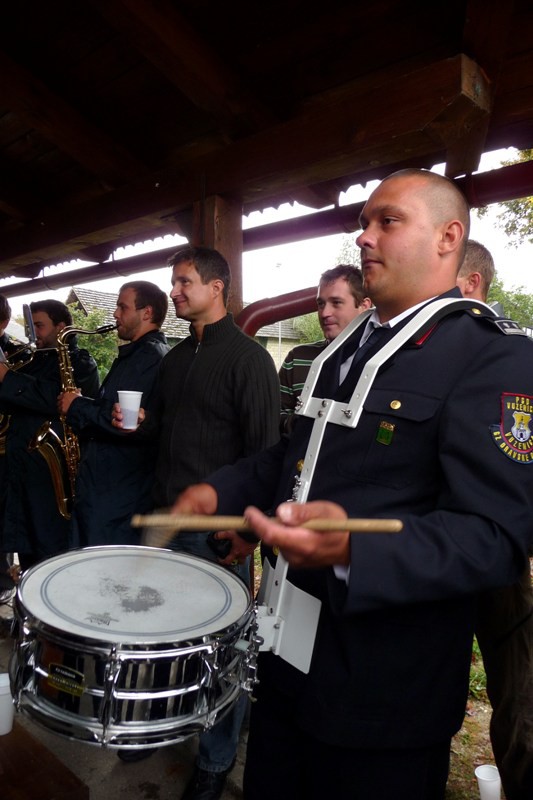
point(131, 646)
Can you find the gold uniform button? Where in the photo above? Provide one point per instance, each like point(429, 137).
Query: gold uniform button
point(476, 311)
point(300, 465)
point(395, 404)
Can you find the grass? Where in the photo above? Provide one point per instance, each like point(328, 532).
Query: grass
point(478, 680)
point(471, 745)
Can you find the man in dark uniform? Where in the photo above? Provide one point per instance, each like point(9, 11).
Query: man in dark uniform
point(33, 526)
point(115, 475)
point(426, 438)
point(8, 346)
point(504, 625)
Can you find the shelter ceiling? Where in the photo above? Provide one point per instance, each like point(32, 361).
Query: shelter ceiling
point(117, 115)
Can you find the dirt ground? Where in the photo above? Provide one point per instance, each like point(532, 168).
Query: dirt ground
point(470, 748)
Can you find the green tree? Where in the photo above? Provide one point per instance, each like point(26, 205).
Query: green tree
point(102, 347)
point(308, 328)
point(517, 302)
point(516, 216)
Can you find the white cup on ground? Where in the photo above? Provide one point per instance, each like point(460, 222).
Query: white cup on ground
point(7, 708)
point(129, 402)
point(488, 780)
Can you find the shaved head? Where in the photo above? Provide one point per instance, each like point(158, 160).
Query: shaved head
point(442, 197)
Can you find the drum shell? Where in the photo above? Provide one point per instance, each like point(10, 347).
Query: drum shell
point(130, 694)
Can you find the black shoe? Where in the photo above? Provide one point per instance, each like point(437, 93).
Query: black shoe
point(205, 785)
point(129, 756)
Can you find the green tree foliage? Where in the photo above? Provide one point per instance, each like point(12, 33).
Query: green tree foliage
point(102, 347)
point(516, 217)
point(308, 328)
point(517, 302)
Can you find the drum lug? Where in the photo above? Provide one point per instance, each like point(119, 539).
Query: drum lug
point(250, 646)
point(112, 672)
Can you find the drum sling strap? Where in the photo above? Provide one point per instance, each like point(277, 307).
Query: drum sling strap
point(287, 616)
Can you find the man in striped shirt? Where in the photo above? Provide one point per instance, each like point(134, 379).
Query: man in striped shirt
point(340, 298)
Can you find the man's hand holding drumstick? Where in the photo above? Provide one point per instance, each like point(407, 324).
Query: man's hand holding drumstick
point(303, 547)
point(199, 499)
point(298, 529)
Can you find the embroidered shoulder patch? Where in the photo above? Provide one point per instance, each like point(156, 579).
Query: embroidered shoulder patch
point(509, 327)
point(514, 436)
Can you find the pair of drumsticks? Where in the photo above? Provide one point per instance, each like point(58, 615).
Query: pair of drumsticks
point(162, 527)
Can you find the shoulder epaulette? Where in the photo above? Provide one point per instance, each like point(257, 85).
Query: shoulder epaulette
point(507, 326)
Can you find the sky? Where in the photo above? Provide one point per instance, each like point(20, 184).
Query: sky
point(286, 268)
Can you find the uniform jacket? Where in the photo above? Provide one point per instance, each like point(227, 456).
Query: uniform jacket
point(116, 470)
point(32, 523)
point(391, 659)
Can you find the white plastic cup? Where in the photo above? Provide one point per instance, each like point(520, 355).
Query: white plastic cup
point(488, 780)
point(7, 708)
point(130, 403)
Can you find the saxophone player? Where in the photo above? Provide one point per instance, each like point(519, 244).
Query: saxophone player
point(32, 525)
point(8, 346)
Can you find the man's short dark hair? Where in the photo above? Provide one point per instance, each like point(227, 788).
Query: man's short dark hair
point(5, 309)
point(148, 294)
point(57, 311)
point(209, 264)
point(353, 277)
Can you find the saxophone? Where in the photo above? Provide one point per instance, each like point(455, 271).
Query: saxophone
point(63, 454)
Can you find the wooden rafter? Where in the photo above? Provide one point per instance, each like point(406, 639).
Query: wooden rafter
point(165, 38)
point(305, 150)
point(63, 125)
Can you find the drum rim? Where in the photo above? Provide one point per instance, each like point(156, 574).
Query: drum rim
point(28, 617)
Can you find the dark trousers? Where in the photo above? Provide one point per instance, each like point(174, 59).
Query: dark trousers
point(284, 763)
point(504, 630)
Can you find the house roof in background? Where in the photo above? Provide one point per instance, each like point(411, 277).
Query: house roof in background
point(173, 328)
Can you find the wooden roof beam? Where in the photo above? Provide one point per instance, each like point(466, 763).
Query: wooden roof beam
point(462, 126)
point(166, 40)
point(376, 127)
point(485, 39)
point(64, 126)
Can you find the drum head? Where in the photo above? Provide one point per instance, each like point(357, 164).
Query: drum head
point(135, 595)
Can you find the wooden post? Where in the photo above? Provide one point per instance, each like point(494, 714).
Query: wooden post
point(217, 223)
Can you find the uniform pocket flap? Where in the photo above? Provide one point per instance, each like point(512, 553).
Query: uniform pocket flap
point(402, 405)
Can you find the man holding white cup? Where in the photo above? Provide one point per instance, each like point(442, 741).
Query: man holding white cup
point(130, 403)
point(115, 474)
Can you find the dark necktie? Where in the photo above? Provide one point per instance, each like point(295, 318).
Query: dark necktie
point(329, 378)
point(379, 334)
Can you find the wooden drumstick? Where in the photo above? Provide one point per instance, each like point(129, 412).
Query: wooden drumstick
point(199, 522)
